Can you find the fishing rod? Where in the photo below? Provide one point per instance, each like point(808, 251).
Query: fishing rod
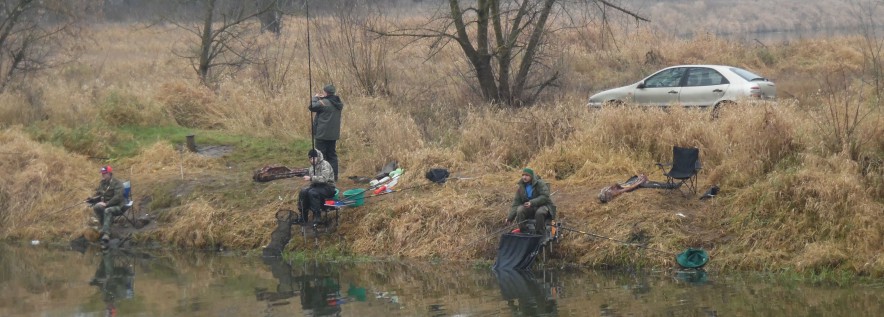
point(310, 84)
point(71, 206)
point(347, 200)
point(612, 239)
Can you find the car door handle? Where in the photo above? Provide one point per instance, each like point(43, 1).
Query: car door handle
point(673, 92)
point(717, 90)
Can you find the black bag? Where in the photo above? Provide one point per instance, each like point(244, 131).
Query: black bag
point(437, 175)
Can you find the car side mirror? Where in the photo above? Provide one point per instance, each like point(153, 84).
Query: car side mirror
point(641, 85)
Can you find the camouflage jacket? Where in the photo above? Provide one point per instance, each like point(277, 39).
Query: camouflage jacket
point(110, 191)
point(321, 172)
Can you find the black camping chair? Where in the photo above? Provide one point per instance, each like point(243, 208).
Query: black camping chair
point(685, 166)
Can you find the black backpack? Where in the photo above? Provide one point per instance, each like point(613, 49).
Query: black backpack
point(437, 175)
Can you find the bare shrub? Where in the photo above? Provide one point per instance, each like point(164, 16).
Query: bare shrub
point(189, 106)
point(275, 63)
point(512, 138)
point(847, 114)
point(120, 109)
point(362, 54)
point(38, 196)
point(379, 133)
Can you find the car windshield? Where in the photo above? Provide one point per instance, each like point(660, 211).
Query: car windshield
point(747, 75)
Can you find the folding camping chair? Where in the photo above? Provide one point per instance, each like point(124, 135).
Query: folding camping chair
point(685, 166)
point(126, 210)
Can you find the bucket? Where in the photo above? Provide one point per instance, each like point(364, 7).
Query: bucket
point(354, 195)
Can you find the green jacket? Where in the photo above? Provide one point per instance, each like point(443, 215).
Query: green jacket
point(540, 197)
point(327, 123)
point(111, 192)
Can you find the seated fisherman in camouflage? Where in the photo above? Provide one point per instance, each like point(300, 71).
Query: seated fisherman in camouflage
point(107, 201)
point(532, 201)
point(322, 186)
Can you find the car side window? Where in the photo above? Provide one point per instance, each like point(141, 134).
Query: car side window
point(667, 78)
point(701, 76)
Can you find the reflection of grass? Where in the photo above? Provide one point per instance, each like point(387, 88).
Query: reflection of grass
point(819, 277)
point(335, 253)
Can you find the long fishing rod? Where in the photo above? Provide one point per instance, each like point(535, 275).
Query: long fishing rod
point(310, 84)
point(71, 206)
point(612, 239)
point(348, 197)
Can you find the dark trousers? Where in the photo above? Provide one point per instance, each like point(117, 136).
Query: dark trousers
point(538, 213)
point(105, 216)
point(311, 198)
point(327, 147)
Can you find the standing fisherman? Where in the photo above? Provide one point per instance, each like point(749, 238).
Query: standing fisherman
point(327, 124)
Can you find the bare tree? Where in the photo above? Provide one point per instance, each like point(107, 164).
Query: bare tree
point(270, 15)
point(504, 41)
point(363, 54)
point(224, 39)
point(30, 34)
point(869, 15)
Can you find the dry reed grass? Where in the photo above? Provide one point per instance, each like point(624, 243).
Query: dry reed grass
point(786, 200)
point(39, 182)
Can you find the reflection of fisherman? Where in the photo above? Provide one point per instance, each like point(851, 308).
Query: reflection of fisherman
point(524, 295)
point(114, 282)
point(319, 295)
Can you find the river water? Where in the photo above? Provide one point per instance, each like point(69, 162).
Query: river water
point(54, 281)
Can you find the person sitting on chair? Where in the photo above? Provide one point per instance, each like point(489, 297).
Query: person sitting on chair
point(107, 201)
point(532, 200)
point(322, 186)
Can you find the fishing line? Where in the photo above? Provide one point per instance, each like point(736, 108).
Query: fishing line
point(612, 239)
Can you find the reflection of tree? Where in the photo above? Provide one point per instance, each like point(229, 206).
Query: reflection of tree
point(114, 278)
point(525, 295)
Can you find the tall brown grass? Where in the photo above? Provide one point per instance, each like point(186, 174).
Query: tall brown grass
point(787, 200)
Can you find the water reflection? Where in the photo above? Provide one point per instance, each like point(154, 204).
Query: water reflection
point(525, 295)
point(318, 286)
point(42, 281)
point(114, 278)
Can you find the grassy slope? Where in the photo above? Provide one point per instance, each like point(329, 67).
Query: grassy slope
point(791, 197)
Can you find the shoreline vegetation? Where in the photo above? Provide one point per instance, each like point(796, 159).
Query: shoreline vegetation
point(801, 180)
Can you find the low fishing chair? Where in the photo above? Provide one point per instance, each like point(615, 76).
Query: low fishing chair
point(684, 168)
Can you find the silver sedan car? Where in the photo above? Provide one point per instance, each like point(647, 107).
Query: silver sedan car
point(691, 85)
